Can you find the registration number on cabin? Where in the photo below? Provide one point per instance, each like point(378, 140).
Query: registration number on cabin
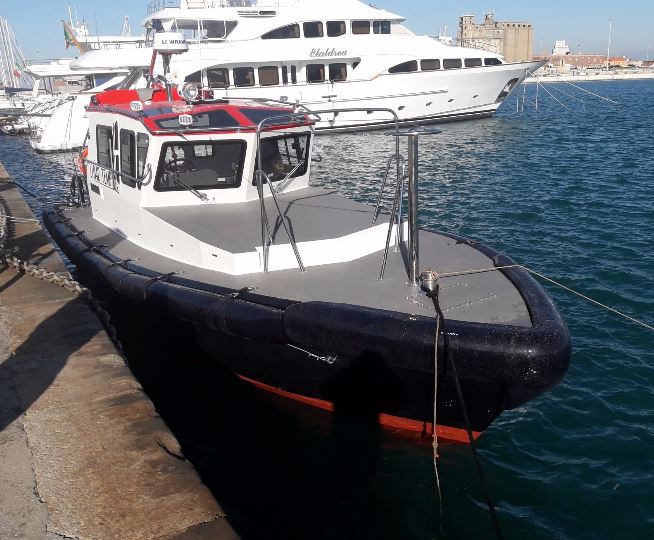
point(103, 176)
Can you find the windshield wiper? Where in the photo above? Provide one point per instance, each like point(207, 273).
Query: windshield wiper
point(201, 196)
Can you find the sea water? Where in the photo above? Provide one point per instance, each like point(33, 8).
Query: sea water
point(565, 188)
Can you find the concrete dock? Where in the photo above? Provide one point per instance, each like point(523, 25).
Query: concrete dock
point(83, 453)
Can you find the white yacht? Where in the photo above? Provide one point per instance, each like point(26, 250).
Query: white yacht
point(324, 55)
point(57, 117)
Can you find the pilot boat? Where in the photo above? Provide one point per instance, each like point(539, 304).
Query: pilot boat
point(203, 211)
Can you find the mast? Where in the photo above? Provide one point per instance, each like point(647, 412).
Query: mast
point(608, 51)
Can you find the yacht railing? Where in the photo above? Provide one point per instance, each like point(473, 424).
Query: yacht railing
point(158, 5)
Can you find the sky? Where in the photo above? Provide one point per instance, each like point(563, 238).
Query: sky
point(584, 24)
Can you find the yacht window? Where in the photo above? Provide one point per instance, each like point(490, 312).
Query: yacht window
point(405, 67)
point(335, 28)
point(284, 75)
point(104, 143)
point(430, 65)
point(337, 72)
point(142, 143)
point(213, 30)
point(293, 75)
point(381, 27)
point(492, 62)
point(195, 77)
point(280, 155)
point(244, 76)
point(315, 73)
point(355, 64)
point(188, 28)
point(452, 63)
point(200, 165)
point(218, 77)
point(360, 27)
point(312, 29)
point(127, 156)
point(229, 26)
point(473, 62)
point(268, 75)
point(285, 32)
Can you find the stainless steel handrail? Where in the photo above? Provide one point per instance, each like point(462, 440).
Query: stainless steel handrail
point(383, 186)
point(140, 181)
point(258, 176)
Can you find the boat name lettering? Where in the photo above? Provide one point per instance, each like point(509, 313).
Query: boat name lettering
point(103, 176)
point(173, 42)
point(325, 53)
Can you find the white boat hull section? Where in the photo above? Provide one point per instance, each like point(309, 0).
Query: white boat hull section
point(135, 224)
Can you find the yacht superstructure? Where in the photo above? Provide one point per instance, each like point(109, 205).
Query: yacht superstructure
point(330, 55)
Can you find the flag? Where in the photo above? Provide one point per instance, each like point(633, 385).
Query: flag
point(18, 69)
point(70, 38)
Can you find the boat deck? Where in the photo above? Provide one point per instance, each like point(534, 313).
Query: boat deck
point(485, 298)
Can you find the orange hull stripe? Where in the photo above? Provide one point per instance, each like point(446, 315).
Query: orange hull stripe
point(445, 432)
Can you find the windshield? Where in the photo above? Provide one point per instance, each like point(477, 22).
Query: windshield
point(200, 165)
point(280, 155)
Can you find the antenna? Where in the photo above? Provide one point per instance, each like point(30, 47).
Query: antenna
point(127, 31)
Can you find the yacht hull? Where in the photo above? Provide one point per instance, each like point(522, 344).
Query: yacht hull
point(353, 360)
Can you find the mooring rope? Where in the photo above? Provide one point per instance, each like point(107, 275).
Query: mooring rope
point(434, 430)
point(440, 321)
point(592, 93)
point(554, 282)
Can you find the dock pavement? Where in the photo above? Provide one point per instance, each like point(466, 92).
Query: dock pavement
point(83, 452)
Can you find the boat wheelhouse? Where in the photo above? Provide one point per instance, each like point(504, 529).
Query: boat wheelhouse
point(203, 212)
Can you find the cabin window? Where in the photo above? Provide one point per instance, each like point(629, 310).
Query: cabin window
point(195, 77)
point(335, 28)
point(127, 156)
point(244, 76)
point(200, 165)
point(142, 144)
point(355, 64)
point(293, 75)
point(337, 72)
point(430, 65)
point(285, 32)
point(315, 73)
point(104, 143)
point(452, 63)
point(268, 75)
point(492, 62)
point(256, 116)
point(211, 119)
point(312, 29)
point(405, 67)
point(360, 27)
point(213, 30)
point(381, 27)
point(473, 62)
point(280, 155)
point(218, 77)
point(284, 75)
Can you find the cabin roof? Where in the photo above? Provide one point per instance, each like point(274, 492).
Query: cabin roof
point(160, 116)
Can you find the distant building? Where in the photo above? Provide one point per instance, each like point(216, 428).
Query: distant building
point(513, 40)
point(560, 48)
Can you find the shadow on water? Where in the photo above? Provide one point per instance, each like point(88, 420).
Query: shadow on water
point(278, 471)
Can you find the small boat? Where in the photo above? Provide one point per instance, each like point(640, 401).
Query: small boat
point(203, 211)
